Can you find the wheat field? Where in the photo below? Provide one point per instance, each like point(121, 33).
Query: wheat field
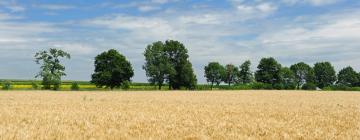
point(179, 115)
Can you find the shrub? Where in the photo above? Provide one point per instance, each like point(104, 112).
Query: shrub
point(34, 85)
point(125, 85)
point(261, 86)
point(75, 86)
point(278, 86)
point(7, 85)
point(309, 86)
point(290, 86)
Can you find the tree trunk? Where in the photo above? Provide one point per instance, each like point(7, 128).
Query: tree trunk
point(212, 84)
point(160, 85)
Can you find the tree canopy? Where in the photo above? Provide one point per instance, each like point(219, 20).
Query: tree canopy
point(325, 74)
point(287, 78)
point(51, 70)
point(303, 74)
point(157, 64)
point(231, 73)
point(348, 77)
point(111, 70)
point(268, 71)
point(245, 75)
point(214, 73)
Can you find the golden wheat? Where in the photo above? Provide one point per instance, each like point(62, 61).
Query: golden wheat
point(180, 115)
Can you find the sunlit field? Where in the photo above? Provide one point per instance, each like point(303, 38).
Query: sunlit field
point(179, 115)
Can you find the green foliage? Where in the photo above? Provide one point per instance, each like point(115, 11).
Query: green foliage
point(75, 86)
point(325, 74)
point(348, 77)
point(309, 86)
point(157, 64)
point(259, 85)
point(125, 85)
point(231, 73)
point(51, 69)
point(182, 74)
point(111, 69)
point(303, 74)
point(7, 85)
point(268, 71)
point(34, 85)
point(287, 79)
point(214, 73)
point(245, 75)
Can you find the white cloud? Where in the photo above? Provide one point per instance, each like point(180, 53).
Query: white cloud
point(54, 6)
point(12, 6)
point(312, 2)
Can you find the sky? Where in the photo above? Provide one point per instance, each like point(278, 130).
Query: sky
point(225, 31)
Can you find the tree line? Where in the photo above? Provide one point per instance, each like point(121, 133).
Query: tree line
point(167, 63)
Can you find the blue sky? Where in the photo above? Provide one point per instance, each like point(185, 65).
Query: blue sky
point(227, 31)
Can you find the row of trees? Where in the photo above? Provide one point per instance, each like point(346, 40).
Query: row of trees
point(269, 71)
point(167, 63)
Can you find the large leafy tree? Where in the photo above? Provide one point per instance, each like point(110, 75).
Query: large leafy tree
point(245, 75)
point(287, 78)
point(303, 74)
point(325, 74)
point(214, 73)
point(51, 68)
point(348, 77)
point(157, 65)
point(268, 71)
point(111, 70)
point(231, 73)
point(183, 73)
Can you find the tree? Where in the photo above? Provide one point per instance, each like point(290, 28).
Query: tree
point(231, 73)
point(348, 77)
point(358, 84)
point(325, 74)
point(287, 78)
point(157, 65)
point(183, 73)
point(111, 70)
point(303, 74)
point(51, 70)
point(245, 75)
point(268, 71)
point(214, 73)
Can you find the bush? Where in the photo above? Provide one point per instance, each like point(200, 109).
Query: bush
point(75, 86)
point(278, 86)
point(34, 85)
point(341, 87)
point(261, 86)
point(309, 86)
point(290, 87)
point(125, 85)
point(7, 85)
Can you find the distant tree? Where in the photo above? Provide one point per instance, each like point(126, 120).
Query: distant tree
point(214, 73)
point(268, 71)
point(75, 86)
point(325, 74)
point(231, 73)
point(287, 78)
point(157, 65)
point(303, 74)
point(348, 77)
point(245, 75)
point(183, 73)
point(51, 69)
point(111, 70)
point(358, 84)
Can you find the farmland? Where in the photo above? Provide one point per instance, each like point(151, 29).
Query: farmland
point(179, 115)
